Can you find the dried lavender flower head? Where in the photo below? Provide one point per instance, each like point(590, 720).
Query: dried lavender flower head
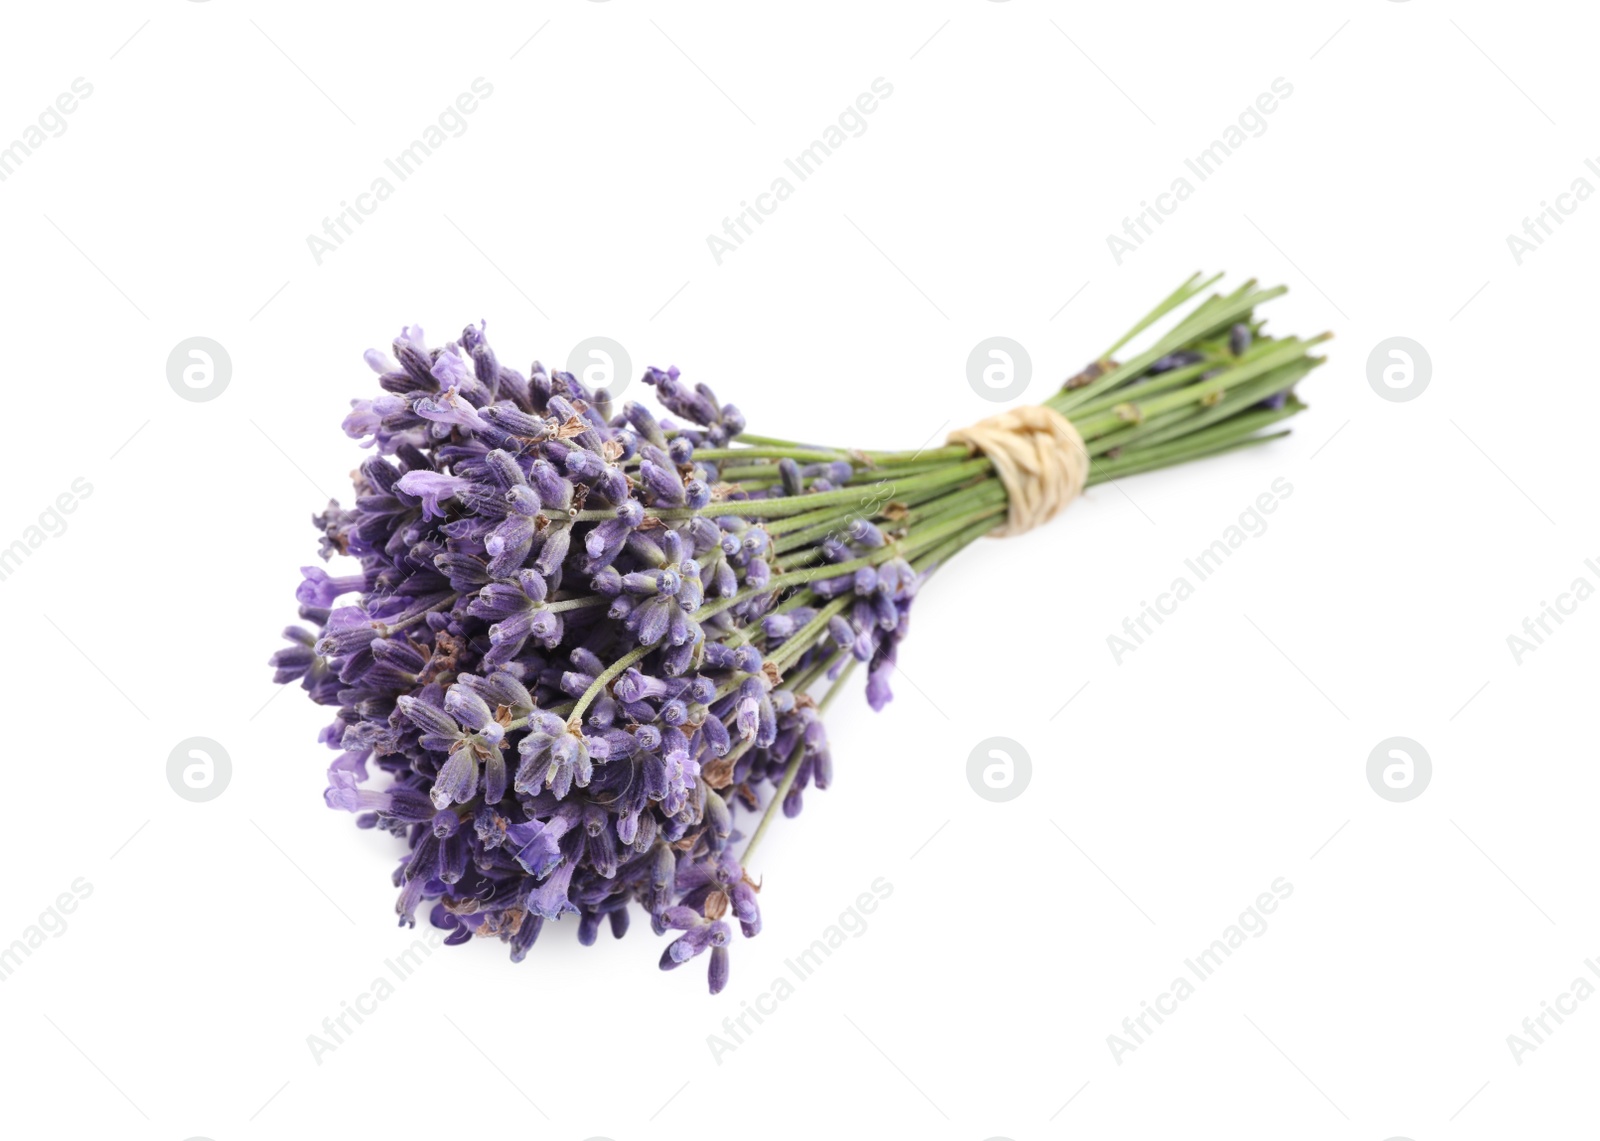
point(556, 646)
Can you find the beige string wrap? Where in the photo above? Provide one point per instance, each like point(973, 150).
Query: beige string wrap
point(1039, 457)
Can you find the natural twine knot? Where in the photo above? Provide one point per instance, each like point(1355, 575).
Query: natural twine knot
point(1039, 457)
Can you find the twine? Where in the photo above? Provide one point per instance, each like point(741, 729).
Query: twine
point(1039, 457)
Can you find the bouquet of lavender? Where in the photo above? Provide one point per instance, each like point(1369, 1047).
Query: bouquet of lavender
point(584, 641)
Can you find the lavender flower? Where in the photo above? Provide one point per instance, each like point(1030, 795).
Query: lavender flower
point(577, 646)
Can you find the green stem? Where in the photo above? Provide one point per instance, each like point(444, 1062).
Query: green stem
point(577, 603)
point(807, 455)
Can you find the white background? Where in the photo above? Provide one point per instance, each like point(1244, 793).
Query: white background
point(1229, 750)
